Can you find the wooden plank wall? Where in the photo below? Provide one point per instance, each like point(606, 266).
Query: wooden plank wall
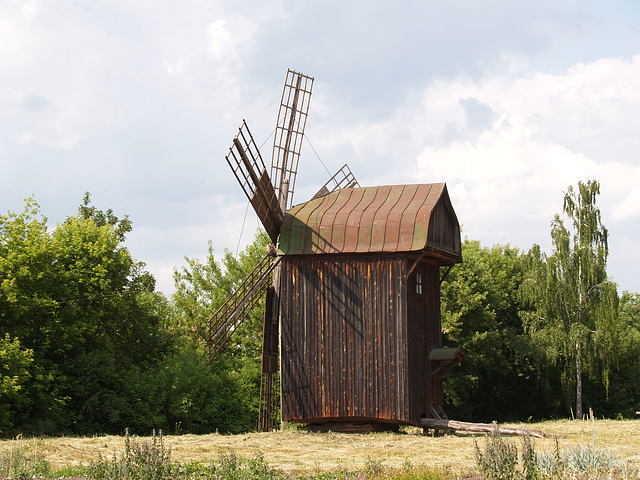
point(344, 339)
point(425, 333)
point(444, 232)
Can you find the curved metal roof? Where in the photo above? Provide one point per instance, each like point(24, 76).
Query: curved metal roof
point(400, 218)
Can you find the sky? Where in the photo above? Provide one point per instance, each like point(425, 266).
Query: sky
point(137, 102)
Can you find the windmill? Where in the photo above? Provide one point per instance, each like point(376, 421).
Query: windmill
point(351, 285)
point(270, 195)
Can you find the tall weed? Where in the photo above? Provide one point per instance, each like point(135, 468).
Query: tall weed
point(232, 468)
point(23, 461)
point(499, 460)
point(139, 461)
point(586, 460)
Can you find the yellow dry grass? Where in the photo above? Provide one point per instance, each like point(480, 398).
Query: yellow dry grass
point(293, 450)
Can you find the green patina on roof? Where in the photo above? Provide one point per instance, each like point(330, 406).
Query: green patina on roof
point(397, 218)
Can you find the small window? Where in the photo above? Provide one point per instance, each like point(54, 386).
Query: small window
point(419, 283)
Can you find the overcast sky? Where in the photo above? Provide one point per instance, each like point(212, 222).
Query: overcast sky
point(137, 101)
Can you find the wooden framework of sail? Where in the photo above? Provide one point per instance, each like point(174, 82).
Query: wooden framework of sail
point(287, 143)
point(343, 178)
point(224, 321)
point(269, 370)
point(247, 165)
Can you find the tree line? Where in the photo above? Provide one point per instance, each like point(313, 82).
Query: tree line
point(88, 346)
point(546, 335)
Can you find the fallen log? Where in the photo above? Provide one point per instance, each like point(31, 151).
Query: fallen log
point(480, 427)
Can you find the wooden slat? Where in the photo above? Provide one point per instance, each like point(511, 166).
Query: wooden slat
point(351, 345)
point(225, 320)
point(356, 338)
point(287, 140)
point(248, 167)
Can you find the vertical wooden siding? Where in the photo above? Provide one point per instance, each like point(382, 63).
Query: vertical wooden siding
point(425, 333)
point(355, 338)
point(444, 231)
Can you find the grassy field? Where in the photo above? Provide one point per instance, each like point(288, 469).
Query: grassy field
point(313, 452)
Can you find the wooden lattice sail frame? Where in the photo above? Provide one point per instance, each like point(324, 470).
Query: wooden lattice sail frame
point(287, 142)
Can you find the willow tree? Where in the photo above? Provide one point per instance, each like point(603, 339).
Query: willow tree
point(574, 304)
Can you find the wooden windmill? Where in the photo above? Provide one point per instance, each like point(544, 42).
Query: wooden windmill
point(352, 284)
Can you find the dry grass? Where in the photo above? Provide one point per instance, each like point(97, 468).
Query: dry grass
point(292, 450)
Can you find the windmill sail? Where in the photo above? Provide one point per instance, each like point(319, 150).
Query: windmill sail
point(225, 320)
point(246, 162)
point(270, 197)
point(292, 119)
point(343, 178)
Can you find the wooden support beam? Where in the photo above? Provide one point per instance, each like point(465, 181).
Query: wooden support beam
point(446, 274)
point(479, 427)
point(413, 267)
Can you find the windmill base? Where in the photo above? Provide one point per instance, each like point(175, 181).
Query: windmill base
point(353, 427)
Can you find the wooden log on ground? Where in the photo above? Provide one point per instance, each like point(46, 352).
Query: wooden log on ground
point(480, 427)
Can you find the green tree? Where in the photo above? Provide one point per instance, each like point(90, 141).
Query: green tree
point(14, 373)
point(201, 288)
point(183, 394)
point(73, 297)
point(480, 309)
point(624, 394)
point(574, 304)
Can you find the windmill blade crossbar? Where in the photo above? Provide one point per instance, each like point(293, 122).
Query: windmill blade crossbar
point(247, 165)
point(343, 178)
point(287, 143)
point(226, 319)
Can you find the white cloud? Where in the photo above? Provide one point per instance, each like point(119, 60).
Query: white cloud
point(550, 133)
point(30, 9)
point(6, 35)
point(221, 44)
point(62, 139)
point(629, 207)
point(138, 104)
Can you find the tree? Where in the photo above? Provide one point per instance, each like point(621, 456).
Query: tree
point(14, 373)
point(624, 397)
point(201, 288)
point(574, 303)
point(74, 298)
point(480, 315)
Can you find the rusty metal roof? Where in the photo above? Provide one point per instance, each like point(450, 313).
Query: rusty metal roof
point(396, 218)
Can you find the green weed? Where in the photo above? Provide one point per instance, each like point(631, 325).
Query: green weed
point(373, 468)
point(139, 461)
point(232, 468)
point(24, 461)
point(582, 460)
point(499, 460)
